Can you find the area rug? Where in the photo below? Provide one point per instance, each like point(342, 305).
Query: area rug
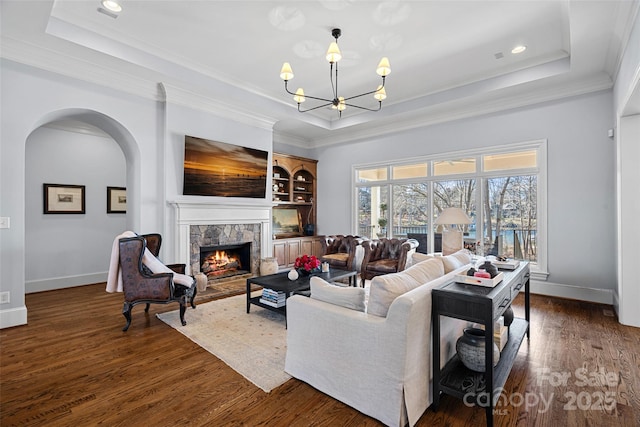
point(253, 344)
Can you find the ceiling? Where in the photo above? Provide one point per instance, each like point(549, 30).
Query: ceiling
point(449, 59)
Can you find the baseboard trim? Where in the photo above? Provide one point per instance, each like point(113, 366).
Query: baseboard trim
point(64, 282)
point(602, 296)
point(13, 317)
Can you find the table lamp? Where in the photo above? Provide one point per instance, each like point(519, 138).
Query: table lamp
point(451, 218)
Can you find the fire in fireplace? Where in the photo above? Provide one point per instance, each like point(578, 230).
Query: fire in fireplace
point(223, 261)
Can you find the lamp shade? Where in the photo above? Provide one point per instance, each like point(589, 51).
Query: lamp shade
point(286, 73)
point(452, 216)
point(380, 94)
point(299, 96)
point(333, 53)
point(384, 69)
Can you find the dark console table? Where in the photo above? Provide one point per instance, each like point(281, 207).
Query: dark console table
point(481, 305)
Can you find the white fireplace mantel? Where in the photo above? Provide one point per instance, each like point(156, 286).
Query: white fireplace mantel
point(207, 213)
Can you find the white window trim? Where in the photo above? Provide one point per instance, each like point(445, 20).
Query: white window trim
point(539, 270)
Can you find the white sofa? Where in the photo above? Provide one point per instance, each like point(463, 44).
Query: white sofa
point(378, 364)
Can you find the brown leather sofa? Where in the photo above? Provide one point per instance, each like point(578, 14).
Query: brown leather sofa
point(343, 252)
point(384, 256)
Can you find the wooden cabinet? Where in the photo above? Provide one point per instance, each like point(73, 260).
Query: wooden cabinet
point(294, 184)
point(287, 250)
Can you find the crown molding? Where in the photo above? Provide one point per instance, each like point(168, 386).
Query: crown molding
point(73, 67)
point(187, 98)
point(467, 108)
point(112, 78)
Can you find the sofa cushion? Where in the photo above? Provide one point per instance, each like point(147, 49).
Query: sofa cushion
point(384, 266)
point(335, 259)
point(456, 260)
point(385, 289)
point(419, 257)
point(344, 296)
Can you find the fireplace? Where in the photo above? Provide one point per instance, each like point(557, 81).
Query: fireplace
point(204, 224)
point(222, 261)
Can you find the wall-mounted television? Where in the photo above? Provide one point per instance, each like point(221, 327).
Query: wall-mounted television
point(286, 221)
point(213, 168)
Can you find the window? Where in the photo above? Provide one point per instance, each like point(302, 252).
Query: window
point(501, 189)
point(511, 217)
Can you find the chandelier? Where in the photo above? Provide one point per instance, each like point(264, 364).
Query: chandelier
point(339, 103)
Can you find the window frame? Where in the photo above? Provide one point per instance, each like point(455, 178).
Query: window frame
point(539, 268)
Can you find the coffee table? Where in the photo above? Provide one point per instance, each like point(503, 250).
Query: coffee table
point(280, 282)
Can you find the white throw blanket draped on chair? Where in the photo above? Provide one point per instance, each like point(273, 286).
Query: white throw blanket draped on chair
point(114, 278)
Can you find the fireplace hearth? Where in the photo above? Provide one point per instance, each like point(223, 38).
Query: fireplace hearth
point(223, 261)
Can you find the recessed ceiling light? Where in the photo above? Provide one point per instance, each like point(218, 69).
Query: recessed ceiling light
point(519, 49)
point(112, 5)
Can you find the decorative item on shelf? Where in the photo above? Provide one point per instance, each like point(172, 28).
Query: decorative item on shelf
point(337, 102)
point(309, 228)
point(275, 187)
point(201, 281)
point(489, 268)
point(471, 347)
point(268, 266)
point(452, 218)
point(306, 264)
point(508, 316)
point(293, 275)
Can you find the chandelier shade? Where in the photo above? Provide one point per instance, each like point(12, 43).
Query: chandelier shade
point(337, 102)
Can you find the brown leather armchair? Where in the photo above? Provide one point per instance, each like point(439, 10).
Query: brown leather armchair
point(140, 286)
point(342, 251)
point(385, 256)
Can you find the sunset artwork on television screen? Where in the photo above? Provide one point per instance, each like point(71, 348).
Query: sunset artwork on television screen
point(214, 168)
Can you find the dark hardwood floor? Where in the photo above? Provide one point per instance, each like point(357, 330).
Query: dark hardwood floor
point(72, 365)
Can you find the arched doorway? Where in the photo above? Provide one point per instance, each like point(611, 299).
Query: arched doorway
point(75, 147)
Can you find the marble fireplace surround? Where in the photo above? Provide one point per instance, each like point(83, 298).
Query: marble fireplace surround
point(211, 224)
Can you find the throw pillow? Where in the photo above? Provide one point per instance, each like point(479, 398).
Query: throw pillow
point(344, 296)
point(385, 289)
point(456, 260)
point(419, 257)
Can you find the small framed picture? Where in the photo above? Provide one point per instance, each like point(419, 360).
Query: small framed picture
point(63, 199)
point(116, 200)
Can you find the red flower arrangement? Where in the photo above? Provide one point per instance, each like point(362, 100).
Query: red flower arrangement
point(307, 264)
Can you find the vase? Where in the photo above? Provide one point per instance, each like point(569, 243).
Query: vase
point(471, 346)
point(268, 266)
point(201, 281)
point(489, 268)
point(303, 272)
point(293, 274)
point(508, 316)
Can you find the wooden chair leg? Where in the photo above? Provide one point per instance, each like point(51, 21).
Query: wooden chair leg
point(146, 309)
point(183, 308)
point(193, 296)
point(126, 312)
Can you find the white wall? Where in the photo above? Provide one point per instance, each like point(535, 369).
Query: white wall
point(581, 185)
point(627, 86)
point(31, 98)
point(63, 250)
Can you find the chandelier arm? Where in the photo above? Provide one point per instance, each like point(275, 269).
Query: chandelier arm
point(335, 89)
point(365, 108)
point(306, 96)
point(314, 108)
point(366, 93)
